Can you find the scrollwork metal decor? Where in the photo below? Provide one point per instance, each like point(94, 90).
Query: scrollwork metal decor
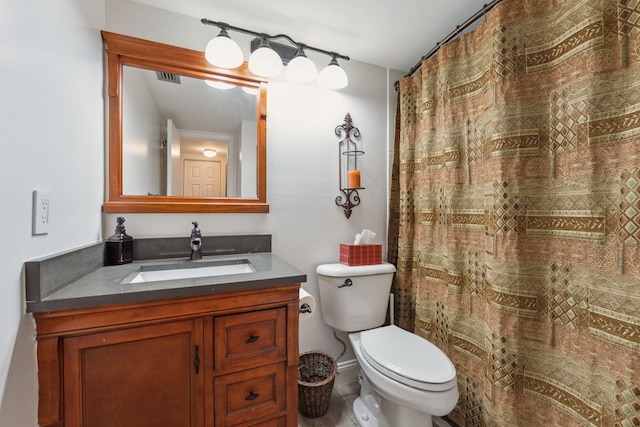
point(350, 166)
point(351, 199)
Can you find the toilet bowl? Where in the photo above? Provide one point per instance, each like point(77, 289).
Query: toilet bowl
point(416, 382)
point(406, 379)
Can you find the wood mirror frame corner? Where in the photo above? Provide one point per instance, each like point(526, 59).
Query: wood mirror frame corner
point(124, 50)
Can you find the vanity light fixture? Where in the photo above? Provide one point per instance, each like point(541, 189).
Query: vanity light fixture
point(223, 52)
point(301, 69)
point(210, 152)
point(349, 166)
point(333, 76)
point(267, 61)
point(264, 61)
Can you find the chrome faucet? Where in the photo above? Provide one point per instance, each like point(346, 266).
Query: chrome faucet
point(196, 242)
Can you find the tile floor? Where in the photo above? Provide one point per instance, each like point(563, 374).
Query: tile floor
point(340, 412)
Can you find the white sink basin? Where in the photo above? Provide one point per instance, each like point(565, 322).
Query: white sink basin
point(158, 273)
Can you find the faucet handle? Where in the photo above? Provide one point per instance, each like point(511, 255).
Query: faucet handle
point(196, 242)
point(196, 231)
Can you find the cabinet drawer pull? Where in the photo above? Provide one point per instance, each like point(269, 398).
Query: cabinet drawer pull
point(252, 396)
point(196, 361)
point(252, 338)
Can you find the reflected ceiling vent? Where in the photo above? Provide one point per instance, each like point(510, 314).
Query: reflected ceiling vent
point(168, 77)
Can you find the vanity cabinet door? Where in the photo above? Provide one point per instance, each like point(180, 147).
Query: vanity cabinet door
point(146, 376)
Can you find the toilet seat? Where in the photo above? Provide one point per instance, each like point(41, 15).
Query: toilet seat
point(407, 358)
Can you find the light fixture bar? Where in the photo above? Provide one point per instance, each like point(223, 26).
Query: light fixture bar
point(285, 51)
point(224, 25)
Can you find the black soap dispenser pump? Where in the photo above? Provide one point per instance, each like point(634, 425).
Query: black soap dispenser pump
point(119, 246)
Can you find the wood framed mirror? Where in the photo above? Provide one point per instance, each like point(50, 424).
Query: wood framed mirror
point(166, 105)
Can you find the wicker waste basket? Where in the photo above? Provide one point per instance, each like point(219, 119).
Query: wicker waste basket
point(316, 373)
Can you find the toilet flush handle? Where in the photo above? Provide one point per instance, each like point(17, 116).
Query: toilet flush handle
point(347, 282)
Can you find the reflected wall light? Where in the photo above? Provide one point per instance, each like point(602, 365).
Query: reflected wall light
point(219, 85)
point(210, 152)
point(267, 57)
point(250, 90)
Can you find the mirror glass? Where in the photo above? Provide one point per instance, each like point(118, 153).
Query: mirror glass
point(169, 120)
point(184, 136)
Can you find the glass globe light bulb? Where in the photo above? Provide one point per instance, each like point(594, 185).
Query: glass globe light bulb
point(333, 76)
point(264, 61)
point(223, 52)
point(301, 69)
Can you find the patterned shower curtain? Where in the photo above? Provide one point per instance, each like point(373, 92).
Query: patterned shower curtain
point(515, 213)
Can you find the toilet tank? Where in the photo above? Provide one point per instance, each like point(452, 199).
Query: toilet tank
point(354, 298)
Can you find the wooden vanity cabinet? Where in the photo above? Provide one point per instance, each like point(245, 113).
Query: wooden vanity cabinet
point(215, 360)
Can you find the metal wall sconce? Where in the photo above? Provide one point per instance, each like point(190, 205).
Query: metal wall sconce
point(350, 166)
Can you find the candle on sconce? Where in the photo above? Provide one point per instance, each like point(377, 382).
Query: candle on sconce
point(353, 179)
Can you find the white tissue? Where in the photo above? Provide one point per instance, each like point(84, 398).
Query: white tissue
point(364, 238)
point(306, 305)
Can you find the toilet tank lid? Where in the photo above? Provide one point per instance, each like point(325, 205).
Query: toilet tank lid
point(341, 270)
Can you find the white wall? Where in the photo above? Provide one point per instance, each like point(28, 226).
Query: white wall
point(51, 115)
point(249, 154)
point(174, 163)
point(53, 121)
point(302, 161)
point(142, 128)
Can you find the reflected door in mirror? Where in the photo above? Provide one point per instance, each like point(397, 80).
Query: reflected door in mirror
point(203, 179)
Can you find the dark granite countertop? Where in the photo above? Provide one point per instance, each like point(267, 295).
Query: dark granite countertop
point(104, 284)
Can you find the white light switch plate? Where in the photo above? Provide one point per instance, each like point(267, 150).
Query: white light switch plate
point(41, 211)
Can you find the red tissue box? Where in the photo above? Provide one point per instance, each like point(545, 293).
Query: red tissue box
point(360, 254)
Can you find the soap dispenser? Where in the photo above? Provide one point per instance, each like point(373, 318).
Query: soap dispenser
point(119, 246)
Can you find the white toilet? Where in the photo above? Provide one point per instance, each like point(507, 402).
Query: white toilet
point(406, 379)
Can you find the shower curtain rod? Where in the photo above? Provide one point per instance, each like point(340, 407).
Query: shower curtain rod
point(486, 8)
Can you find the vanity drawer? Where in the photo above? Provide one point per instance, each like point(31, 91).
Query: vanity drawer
point(276, 422)
point(250, 339)
point(247, 395)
